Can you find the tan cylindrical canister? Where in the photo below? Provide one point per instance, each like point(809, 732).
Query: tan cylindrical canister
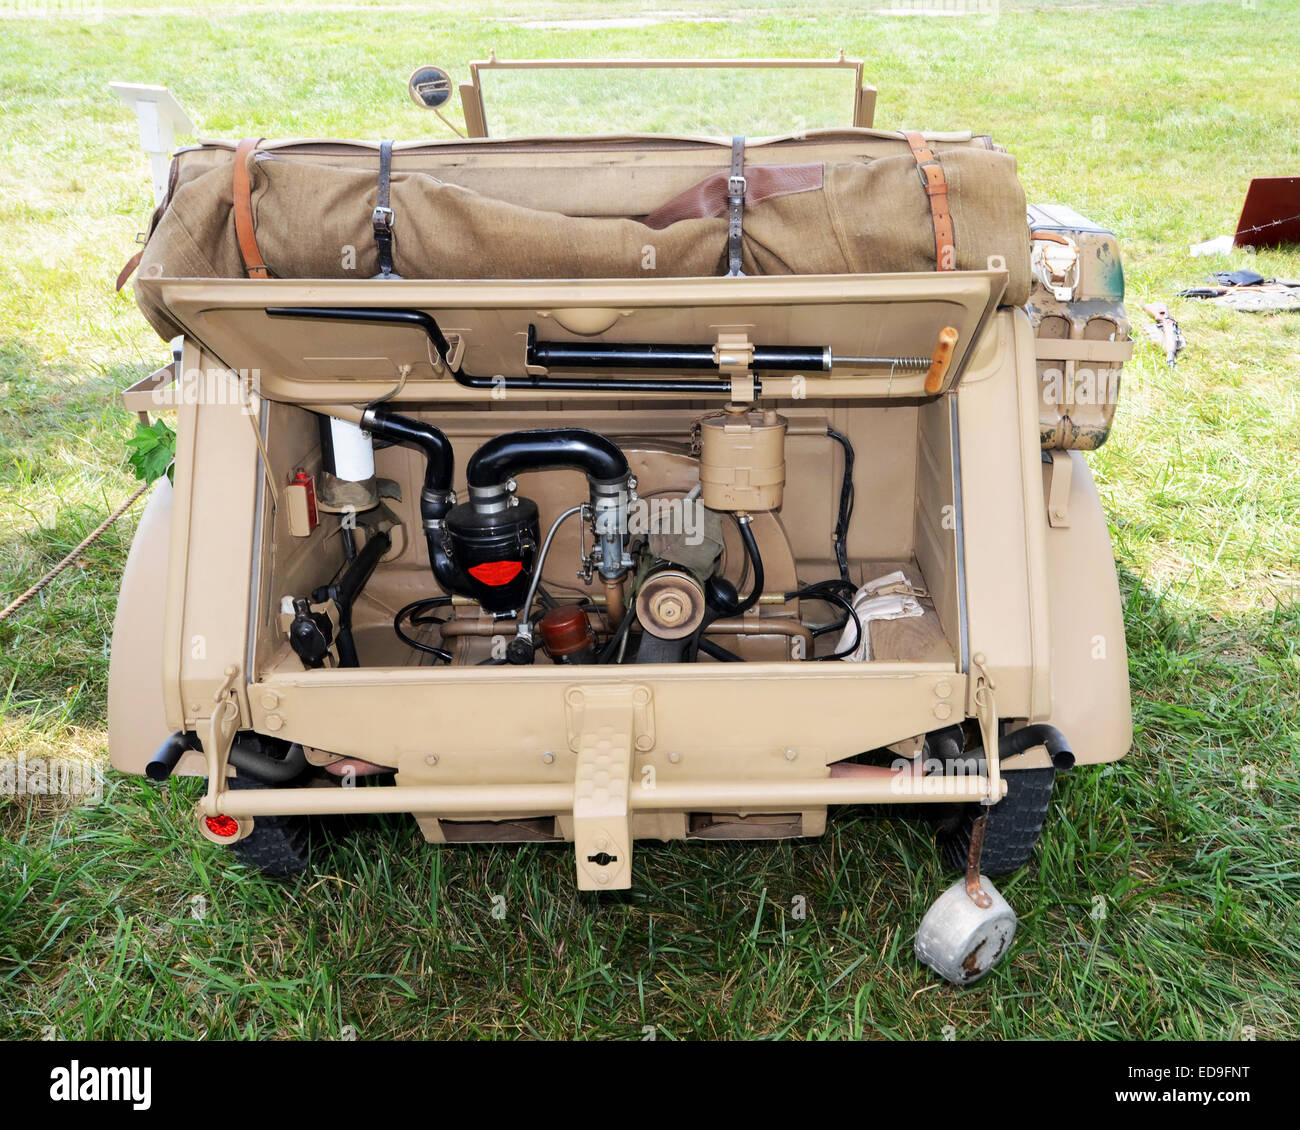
point(742, 459)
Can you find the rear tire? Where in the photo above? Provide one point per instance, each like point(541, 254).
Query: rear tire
point(277, 846)
point(1015, 823)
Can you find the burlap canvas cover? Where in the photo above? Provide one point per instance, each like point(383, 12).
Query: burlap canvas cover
point(866, 216)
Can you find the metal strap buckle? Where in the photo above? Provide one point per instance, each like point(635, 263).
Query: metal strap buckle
point(932, 189)
point(737, 187)
point(382, 220)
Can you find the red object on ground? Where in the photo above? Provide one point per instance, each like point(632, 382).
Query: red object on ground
point(1270, 216)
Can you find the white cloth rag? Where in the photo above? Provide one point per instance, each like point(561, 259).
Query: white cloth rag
point(871, 604)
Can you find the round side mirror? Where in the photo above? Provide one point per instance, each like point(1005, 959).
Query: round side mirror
point(430, 87)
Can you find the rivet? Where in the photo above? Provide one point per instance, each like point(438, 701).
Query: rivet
point(270, 700)
point(791, 754)
point(431, 759)
point(674, 757)
point(942, 711)
point(548, 757)
point(274, 722)
point(602, 877)
point(943, 688)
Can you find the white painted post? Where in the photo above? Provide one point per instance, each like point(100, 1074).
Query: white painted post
point(161, 118)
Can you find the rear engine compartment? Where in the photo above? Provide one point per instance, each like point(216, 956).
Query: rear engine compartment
point(656, 535)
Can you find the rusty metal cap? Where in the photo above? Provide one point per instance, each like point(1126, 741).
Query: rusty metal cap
point(565, 629)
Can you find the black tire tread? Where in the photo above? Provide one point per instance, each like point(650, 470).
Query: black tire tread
point(277, 846)
point(1014, 826)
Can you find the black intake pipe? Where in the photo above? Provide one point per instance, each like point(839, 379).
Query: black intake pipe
point(500, 459)
point(440, 462)
point(436, 496)
point(493, 466)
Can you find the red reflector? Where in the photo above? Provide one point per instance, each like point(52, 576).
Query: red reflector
point(223, 826)
point(496, 572)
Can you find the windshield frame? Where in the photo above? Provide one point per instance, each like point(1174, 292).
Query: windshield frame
point(862, 109)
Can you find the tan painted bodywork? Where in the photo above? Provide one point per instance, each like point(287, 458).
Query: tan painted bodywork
point(754, 742)
point(1022, 616)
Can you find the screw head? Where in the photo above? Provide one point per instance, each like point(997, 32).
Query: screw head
point(791, 754)
point(431, 759)
point(548, 757)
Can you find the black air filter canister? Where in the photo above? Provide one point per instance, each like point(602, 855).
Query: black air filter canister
point(495, 551)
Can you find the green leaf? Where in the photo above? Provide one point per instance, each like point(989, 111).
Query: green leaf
point(151, 449)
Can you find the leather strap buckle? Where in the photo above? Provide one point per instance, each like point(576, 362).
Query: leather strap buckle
point(381, 219)
point(935, 184)
point(737, 186)
point(242, 191)
point(932, 178)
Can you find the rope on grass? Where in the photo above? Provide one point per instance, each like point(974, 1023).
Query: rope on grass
point(94, 536)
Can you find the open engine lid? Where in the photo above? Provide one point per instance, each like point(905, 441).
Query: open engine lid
point(842, 336)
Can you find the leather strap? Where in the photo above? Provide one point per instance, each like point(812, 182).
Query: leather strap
point(936, 189)
point(130, 266)
point(381, 219)
point(708, 198)
point(254, 267)
point(736, 188)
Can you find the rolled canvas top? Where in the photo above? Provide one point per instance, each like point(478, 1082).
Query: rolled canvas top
point(830, 202)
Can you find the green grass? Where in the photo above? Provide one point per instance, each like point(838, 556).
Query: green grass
point(1162, 902)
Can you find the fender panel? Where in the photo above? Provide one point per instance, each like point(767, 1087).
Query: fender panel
point(137, 722)
point(1089, 657)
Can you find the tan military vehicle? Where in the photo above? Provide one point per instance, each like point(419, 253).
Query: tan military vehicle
point(595, 489)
